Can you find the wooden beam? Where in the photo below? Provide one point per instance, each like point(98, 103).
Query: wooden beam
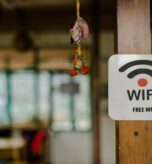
point(134, 138)
point(96, 83)
point(59, 18)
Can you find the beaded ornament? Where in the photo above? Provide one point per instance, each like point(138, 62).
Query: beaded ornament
point(79, 32)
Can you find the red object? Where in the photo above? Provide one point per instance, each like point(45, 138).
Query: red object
point(36, 145)
point(73, 72)
point(74, 61)
point(142, 82)
point(84, 70)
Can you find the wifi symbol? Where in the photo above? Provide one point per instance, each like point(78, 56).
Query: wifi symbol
point(142, 82)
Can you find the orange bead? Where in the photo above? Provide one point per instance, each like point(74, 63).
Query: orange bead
point(74, 61)
point(73, 72)
point(85, 70)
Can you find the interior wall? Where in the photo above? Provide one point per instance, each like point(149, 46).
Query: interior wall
point(71, 148)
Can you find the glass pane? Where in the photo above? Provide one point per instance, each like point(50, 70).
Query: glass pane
point(82, 105)
point(22, 86)
point(44, 96)
point(61, 104)
point(4, 119)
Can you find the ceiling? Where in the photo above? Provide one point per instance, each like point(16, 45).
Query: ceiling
point(49, 21)
point(39, 14)
point(51, 15)
point(39, 3)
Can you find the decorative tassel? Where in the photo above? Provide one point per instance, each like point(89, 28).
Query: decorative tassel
point(79, 31)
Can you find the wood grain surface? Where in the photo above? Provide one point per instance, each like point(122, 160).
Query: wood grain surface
point(134, 138)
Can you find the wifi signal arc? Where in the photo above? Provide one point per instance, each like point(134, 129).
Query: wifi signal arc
point(134, 63)
point(139, 71)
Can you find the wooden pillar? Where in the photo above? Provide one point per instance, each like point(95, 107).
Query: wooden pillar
point(134, 138)
point(96, 90)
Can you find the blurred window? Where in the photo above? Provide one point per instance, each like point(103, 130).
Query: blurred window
point(61, 118)
point(51, 98)
point(44, 96)
point(82, 106)
point(22, 96)
point(4, 116)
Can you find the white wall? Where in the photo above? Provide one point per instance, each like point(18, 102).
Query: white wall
point(71, 148)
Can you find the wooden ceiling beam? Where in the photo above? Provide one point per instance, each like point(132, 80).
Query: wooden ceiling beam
point(52, 19)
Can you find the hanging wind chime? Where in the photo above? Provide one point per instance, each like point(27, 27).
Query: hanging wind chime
point(79, 32)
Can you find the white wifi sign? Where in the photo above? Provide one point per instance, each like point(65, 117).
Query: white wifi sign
point(130, 87)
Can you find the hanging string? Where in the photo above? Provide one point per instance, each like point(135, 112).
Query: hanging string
point(78, 8)
point(79, 50)
point(78, 16)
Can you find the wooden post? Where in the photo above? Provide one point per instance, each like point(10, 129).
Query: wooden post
point(96, 90)
point(134, 138)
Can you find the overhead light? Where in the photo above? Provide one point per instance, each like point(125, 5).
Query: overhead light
point(22, 41)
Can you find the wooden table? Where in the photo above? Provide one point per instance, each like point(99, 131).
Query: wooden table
point(11, 148)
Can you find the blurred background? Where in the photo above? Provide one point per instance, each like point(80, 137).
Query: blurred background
point(46, 116)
